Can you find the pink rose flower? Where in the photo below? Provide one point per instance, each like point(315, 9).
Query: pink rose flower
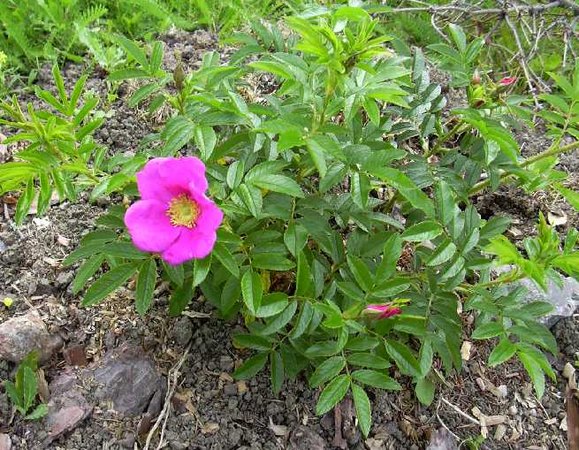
point(507, 81)
point(174, 217)
point(383, 311)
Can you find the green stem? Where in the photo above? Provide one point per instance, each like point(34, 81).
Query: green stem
point(444, 138)
point(553, 151)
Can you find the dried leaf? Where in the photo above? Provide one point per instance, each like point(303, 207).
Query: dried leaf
point(278, 430)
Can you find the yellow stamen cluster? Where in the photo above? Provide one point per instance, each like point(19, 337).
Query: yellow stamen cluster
point(183, 211)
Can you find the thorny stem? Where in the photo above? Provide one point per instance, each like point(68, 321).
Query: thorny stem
point(553, 151)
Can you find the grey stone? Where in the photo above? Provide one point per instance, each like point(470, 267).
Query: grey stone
point(182, 331)
point(565, 299)
point(230, 389)
point(5, 442)
point(64, 278)
point(23, 334)
point(67, 407)
point(128, 379)
point(441, 440)
point(303, 437)
point(2, 246)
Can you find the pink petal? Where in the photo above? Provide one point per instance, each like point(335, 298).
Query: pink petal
point(191, 244)
point(377, 308)
point(149, 226)
point(165, 178)
point(211, 216)
point(393, 311)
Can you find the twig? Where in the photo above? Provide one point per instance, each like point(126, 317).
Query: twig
point(515, 9)
point(523, 60)
point(172, 378)
point(459, 411)
point(444, 425)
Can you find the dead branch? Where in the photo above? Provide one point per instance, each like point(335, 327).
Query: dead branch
point(514, 9)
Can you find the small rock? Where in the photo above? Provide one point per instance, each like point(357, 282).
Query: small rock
point(182, 331)
point(226, 363)
point(565, 299)
point(230, 389)
point(64, 278)
point(23, 334)
point(5, 442)
point(210, 428)
point(67, 407)
point(75, 355)
point(441, 440)
point(303, 437)
point(375, 444)
point(43, 287)
point(65, 420)
point(2, 246)
point(128, 440)
point(128, 379)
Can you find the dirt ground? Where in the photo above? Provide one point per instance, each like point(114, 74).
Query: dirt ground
point(209, 409)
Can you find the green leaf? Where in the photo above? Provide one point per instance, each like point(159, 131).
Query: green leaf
point(124, 250)
point(363, 409)
point(251, 290)
point(403, 358)
point(251, 367)
point(327, 370)
point(281, 320)
point(277, 371)
point(251, 341)
point(85, 271)
point(304, 318)
point(39, 412)
point(304, 285)
point(317, 155)
point(534, 370)
point(571, 196)
point(390, 257)
point(133, 50)
point(29, 388)
point(445, 204)
point(24, 202)
point(226, 258)
point(407, 188)
point(13, 393)
point(443, 252)
point(271, 261)
point(145, 286)
point(332, 394)
point(422, 231)
point(502, 352)
point(175, 273)
point(488, 330)
point(424, 390)
point(272, 304)
point(251, 198)
point(369, 360)
point(278, 183)
point(361, 272)
point(205, 139)
point(295, 238)
point(181, 298)
point(376, 379)
point(108, 283)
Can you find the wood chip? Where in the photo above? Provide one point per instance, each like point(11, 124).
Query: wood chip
point(465, 350)
point(278, 430)
point(210, 428)
point(500, 432)
point(491, 421)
